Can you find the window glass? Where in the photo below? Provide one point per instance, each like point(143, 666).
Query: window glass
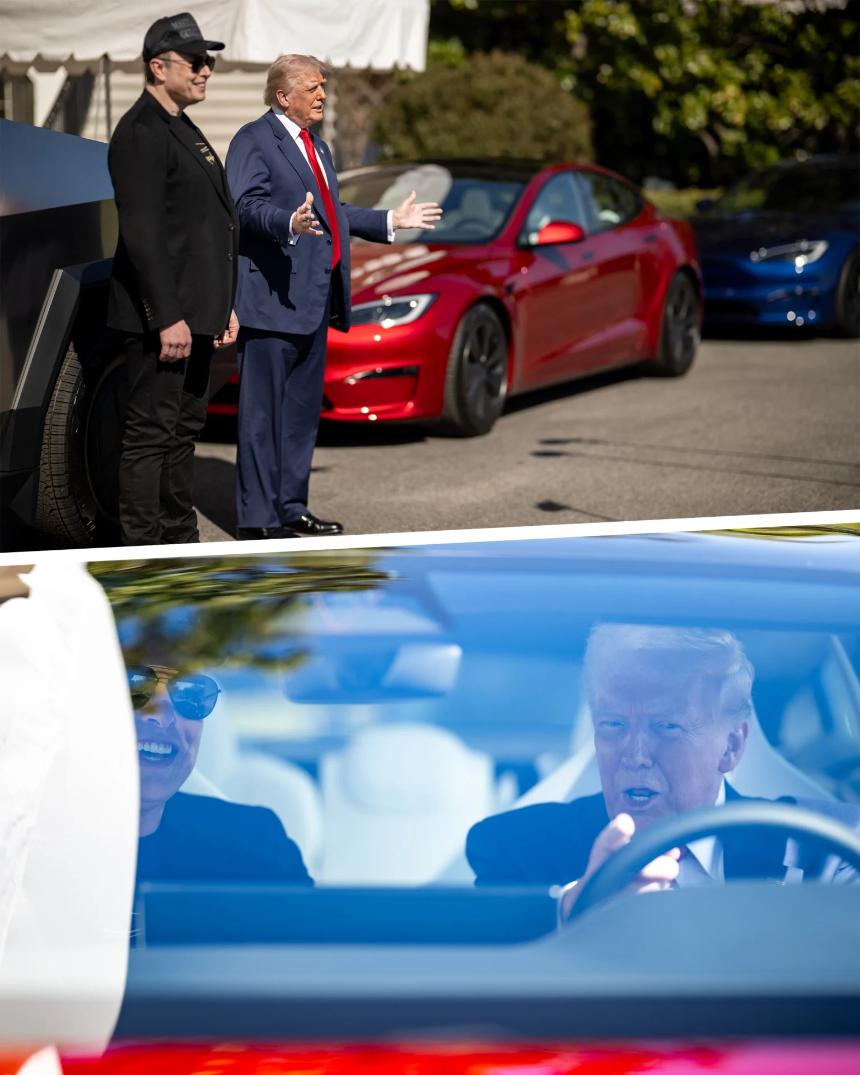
point(558, 201)
point(319, 735)
point(392, 694)
point(611, 203)
point(474, 207)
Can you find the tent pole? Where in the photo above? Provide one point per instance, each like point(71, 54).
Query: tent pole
point(106, 74)
point(329, 123)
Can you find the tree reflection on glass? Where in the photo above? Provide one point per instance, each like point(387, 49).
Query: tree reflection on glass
point(234, 610)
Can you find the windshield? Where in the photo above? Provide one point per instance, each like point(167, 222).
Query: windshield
point(475, 208)
point(400, 697)
point(810, 188)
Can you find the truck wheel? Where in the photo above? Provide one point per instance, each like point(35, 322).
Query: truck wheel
point(76, 499)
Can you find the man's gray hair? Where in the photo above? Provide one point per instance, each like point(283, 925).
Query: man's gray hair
point(711, 655)
point(285, 71)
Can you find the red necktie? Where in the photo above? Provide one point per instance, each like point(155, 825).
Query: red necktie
point(328, 201)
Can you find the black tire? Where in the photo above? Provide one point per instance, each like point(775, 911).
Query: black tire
point(79, 461)
point(848, 297)
point(679, 328)
point(476, 379)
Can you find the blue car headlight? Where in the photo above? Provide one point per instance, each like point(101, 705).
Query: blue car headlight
point(802, 253)
point(392, 310)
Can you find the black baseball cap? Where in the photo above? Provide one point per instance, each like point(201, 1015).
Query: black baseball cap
point(176, 33)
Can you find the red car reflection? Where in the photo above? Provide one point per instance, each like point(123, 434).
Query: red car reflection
point(668, 1058)
point(534, 276)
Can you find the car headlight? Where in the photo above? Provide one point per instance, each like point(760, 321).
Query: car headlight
point(801, 253)
point(392, 310)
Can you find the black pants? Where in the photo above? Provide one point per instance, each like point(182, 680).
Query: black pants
point(166, 411)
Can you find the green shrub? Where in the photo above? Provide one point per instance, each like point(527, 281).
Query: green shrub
point(680, 204)
point(496, 105)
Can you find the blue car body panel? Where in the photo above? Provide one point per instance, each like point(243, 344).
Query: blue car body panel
point(772, 292)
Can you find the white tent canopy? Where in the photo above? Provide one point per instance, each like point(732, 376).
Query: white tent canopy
point(380, 34)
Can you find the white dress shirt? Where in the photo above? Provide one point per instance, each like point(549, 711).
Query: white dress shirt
point(704, 864)
point(295, 132)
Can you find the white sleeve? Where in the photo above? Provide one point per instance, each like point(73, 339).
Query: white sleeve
point(69, 807)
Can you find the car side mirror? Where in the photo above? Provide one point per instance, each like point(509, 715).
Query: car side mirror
point(558, 231)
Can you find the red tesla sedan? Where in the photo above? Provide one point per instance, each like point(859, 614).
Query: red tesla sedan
point(534, 276)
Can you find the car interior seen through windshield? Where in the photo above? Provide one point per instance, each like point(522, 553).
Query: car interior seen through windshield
point(475, 205)
point(500, 783)
point(379, 706)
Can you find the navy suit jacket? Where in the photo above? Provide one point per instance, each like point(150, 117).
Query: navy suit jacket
point(285, 287)
point(549, 844)
point(206, 839)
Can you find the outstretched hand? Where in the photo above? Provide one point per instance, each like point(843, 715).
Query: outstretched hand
point(412, 214)
point(657, 875)
point(304, 220)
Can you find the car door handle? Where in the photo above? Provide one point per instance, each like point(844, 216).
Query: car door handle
point(587, 255)
point(652, 238)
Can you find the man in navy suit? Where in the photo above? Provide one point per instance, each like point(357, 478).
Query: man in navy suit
point(294, 278)
point(671, 709)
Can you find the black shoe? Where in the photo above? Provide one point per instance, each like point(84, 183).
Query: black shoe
point(308, 525)
point(258, 533)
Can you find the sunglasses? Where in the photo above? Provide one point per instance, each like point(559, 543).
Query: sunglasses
point(191, 694)
point(196, 63)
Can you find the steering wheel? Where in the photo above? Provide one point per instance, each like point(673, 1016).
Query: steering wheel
point(787, 820)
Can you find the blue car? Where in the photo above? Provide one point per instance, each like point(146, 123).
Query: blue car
point(782, 247)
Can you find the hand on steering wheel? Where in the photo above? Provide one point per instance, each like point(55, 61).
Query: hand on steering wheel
point(782, 818)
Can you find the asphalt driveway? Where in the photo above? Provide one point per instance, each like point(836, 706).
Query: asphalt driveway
point(757, 426)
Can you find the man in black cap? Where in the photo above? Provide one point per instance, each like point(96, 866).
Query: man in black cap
point(174, 279)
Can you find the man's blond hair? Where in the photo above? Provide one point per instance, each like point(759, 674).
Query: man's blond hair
point(285, 71)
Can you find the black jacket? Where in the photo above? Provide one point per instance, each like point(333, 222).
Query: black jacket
point(549, 844)
point(206, 839)
point(178, 242)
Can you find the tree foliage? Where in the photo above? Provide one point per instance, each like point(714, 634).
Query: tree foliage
point(226, 610)
point(495, 105)
point(692, 90)
point(731, 84)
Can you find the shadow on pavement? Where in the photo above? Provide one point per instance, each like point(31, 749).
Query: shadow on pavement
point(764, 333)
point(219, 429)
point(15, 537)
point(569, 389)
point(214, 491)
point(368, 435)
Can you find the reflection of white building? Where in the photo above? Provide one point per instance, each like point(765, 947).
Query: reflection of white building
point(76, 66)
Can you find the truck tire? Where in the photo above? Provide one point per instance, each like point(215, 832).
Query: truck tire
point(76, 498)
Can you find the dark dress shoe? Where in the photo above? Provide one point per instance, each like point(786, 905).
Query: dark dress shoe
point(308, 525)
point(259, 533)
